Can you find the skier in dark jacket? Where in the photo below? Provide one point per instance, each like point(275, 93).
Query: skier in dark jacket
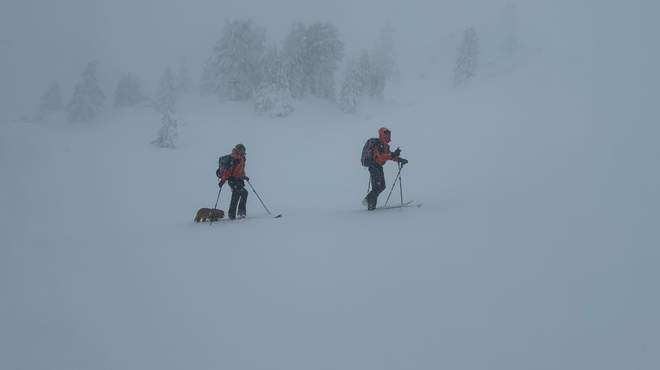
point(234, 174)
point(380, 156)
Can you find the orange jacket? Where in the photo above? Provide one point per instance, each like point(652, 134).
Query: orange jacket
point(237, 167)
point(381, 158)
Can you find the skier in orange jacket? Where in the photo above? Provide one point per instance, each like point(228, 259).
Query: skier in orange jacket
point(380, 155)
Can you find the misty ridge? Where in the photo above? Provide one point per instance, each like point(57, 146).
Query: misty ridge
point(242, 67)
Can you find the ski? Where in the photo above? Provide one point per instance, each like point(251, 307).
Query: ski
point(397, 206)
point(248, 218)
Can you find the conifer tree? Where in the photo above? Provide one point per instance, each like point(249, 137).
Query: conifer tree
point(87, 98)
point(325, 51)
point(232, 71)
point(51, 100)
point(167, 134)
point(365, 71)
point(351, 89)
point(377, 81)
point(372, 76)
point(384, 55)
point(273, 95)
point(294, 58)
point(467, 61)
point(166, 93)
point(128, 92)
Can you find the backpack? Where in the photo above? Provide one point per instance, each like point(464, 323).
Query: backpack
point(368, 151)
point(223, 165)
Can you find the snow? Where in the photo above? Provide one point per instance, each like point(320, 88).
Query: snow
point(535, 246)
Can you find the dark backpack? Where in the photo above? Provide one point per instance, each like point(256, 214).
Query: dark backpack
point(368, 151)
point(223, 165)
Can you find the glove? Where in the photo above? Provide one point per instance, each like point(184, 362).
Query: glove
point(246, 178)
point(220, 184)
point(403, 161)
point(396, 153)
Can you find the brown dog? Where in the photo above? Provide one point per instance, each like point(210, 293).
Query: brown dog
point(205, 213)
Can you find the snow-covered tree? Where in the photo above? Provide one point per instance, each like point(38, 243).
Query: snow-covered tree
point(183, 80)
point(128, 92)
point(294, 58)
point(372, 76)
point(167, 134)
point(87, 98)
point(364, 71)
point(51, 100)
point(384, 55)
point(351, 89)
point(273, 95)
point(467, 61)
point(377, 81)
point(166, 93)
point(325, 51)
point(509, 43)
point(232, 71)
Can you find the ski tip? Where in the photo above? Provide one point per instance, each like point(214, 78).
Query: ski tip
point(278, 216)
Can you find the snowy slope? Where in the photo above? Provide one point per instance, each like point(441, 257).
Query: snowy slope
point(525, 254)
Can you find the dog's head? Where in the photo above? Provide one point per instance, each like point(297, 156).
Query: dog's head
point(218, 213)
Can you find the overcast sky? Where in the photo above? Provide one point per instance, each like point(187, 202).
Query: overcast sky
point(44, 40)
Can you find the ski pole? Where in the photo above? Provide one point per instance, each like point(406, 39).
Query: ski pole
point(397, 177)
point(214, 207)
point(401, 184)
point(255, 193)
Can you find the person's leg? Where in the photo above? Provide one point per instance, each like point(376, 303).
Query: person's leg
point(235, 197)
point(377, 185)
point(242, 203)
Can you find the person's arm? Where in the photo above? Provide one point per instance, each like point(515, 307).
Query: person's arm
point(381, 158)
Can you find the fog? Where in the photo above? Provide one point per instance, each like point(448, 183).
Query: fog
point(43, 41)
point(535, 243)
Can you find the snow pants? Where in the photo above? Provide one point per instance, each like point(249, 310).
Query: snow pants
point(239, 196)
point(377, 185)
